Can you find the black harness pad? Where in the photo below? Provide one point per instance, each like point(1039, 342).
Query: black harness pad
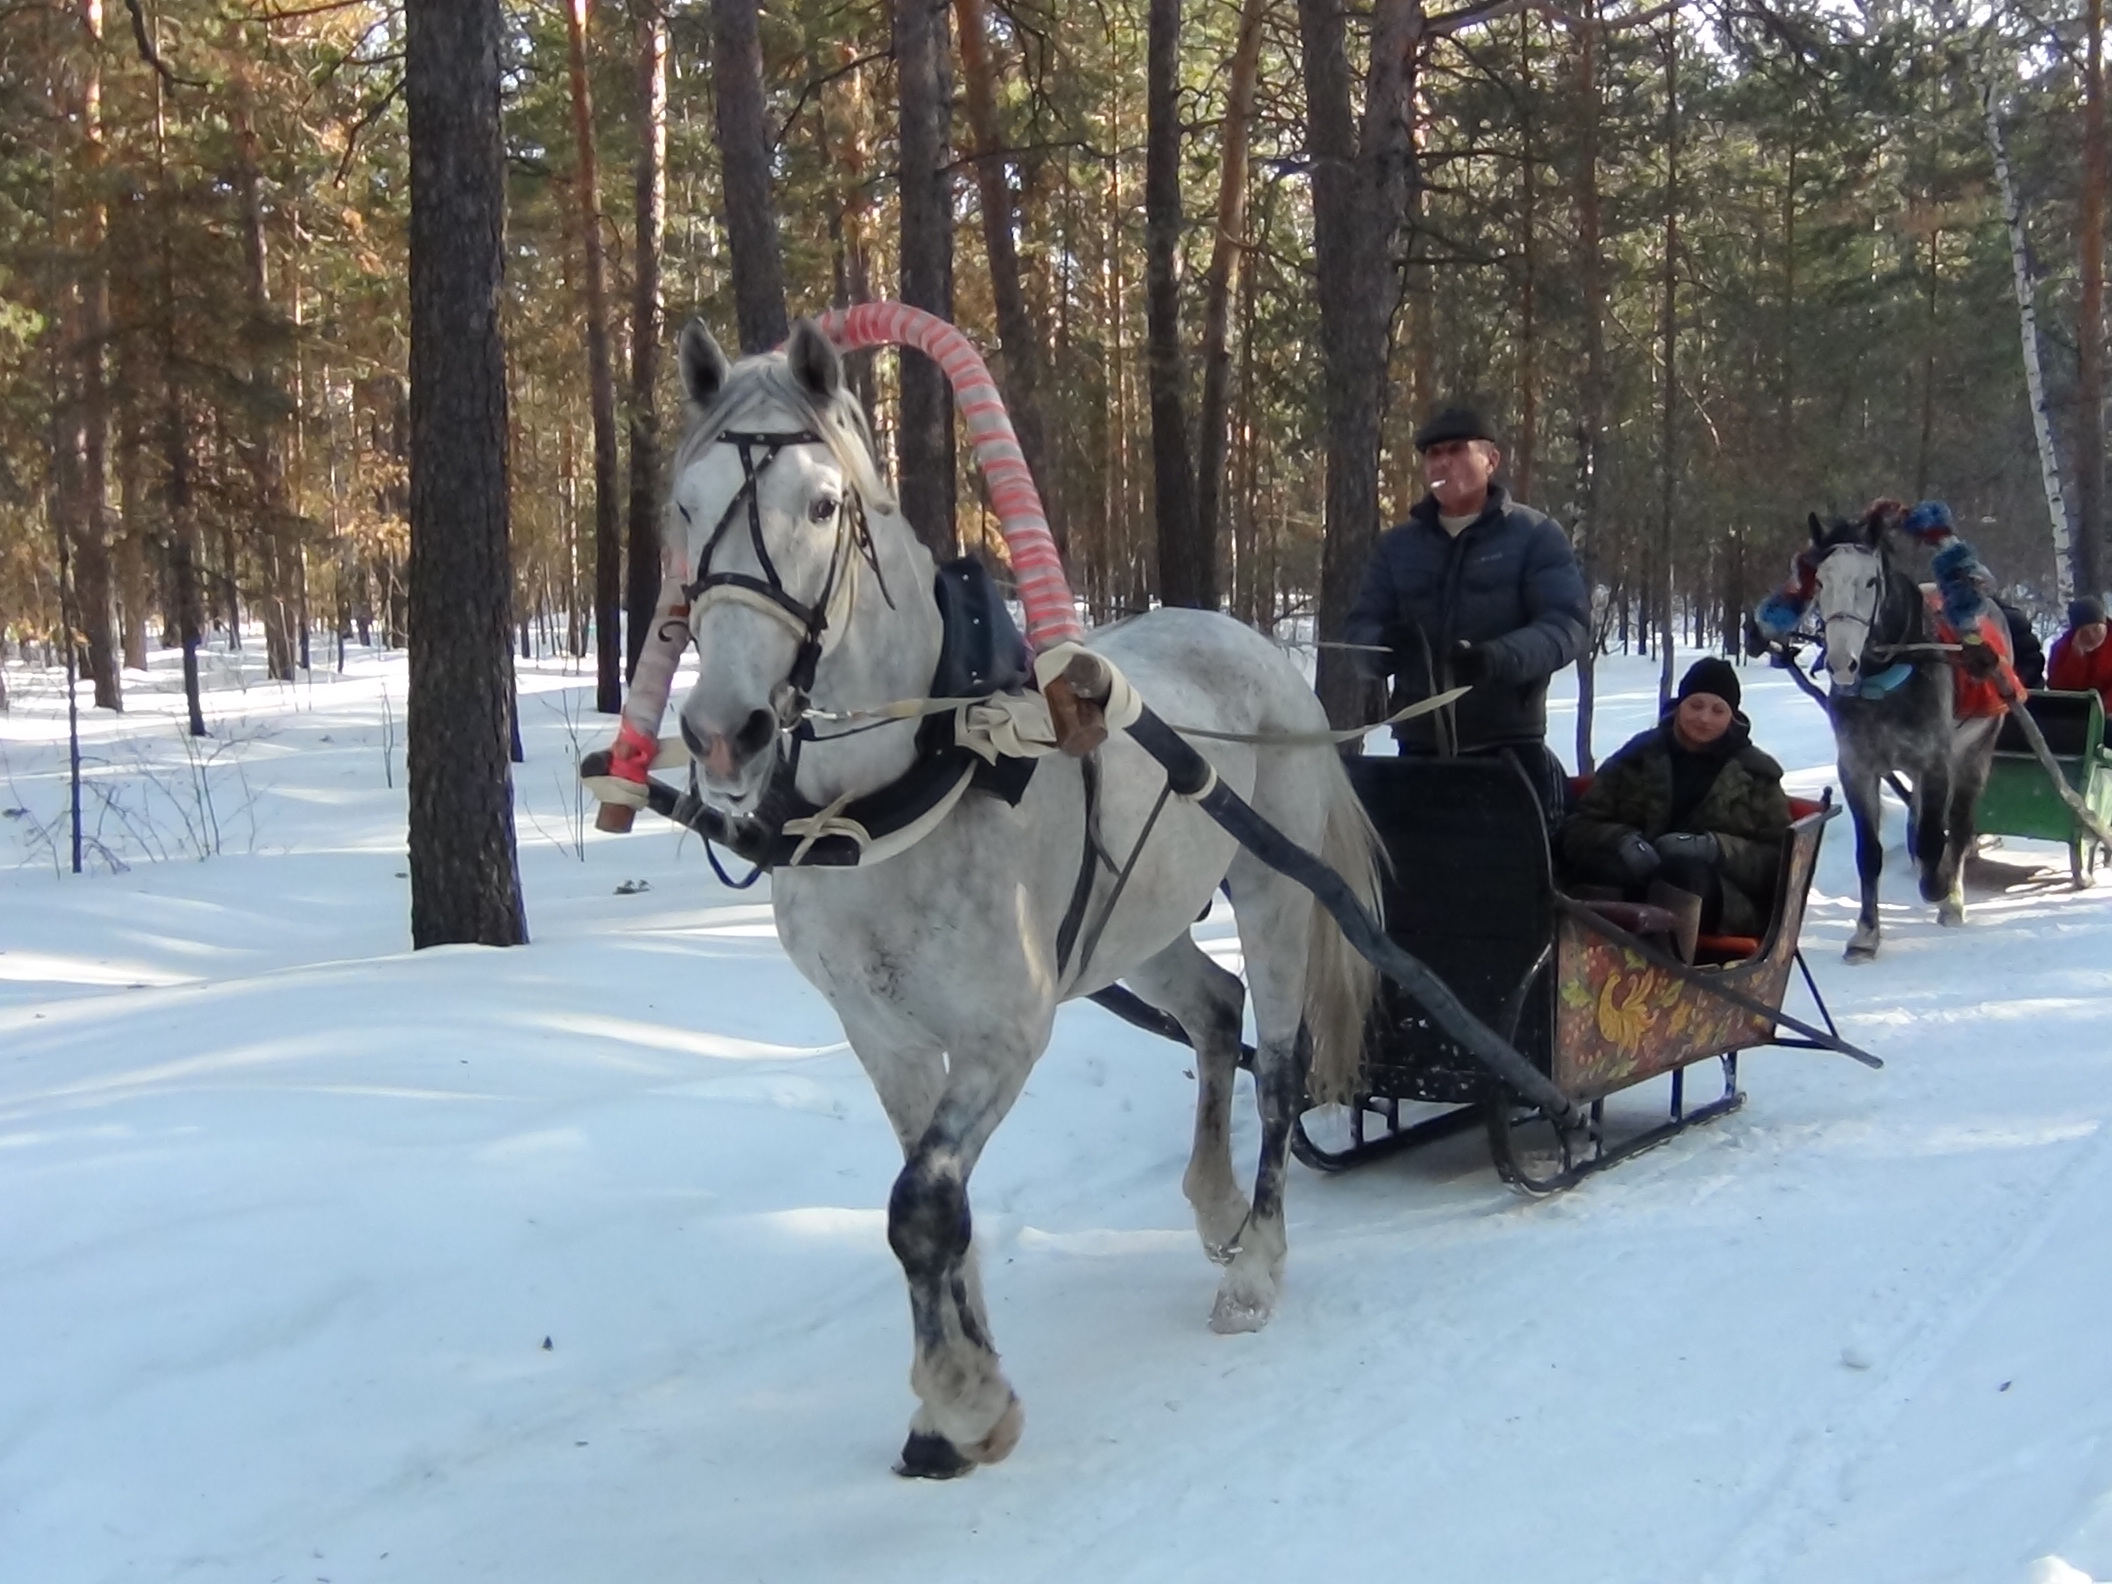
point(982, 653)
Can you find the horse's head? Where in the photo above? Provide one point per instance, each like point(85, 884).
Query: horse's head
point(772, 482)
point(1852, 575)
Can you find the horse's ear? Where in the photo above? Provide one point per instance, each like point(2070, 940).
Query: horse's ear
point(704, 366)
point(814, 361)
point(1818, 529)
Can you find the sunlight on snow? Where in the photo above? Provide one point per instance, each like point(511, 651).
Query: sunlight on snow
point(823, 1222)
point(668, 1037)
point(44, 968)
point(1100, 1242)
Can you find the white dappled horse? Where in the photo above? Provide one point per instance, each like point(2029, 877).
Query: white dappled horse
point(942, 961)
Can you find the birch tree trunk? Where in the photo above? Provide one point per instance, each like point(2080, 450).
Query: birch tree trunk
point(2067, 566)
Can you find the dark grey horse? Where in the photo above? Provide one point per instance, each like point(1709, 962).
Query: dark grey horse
point(1894, 710)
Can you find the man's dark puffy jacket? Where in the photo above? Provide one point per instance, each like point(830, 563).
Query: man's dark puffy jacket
point(1509, 581)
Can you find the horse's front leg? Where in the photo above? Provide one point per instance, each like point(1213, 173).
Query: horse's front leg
point(1859, 787)
point(1972, 759)
point(1934, 840)
point(1207, 1001)
point(968, 1412)
point(1274, 920)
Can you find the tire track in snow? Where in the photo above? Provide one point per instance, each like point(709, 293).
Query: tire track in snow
point(1806, 1489)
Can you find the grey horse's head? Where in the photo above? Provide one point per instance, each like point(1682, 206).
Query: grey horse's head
point(771, 481)
point(1853, 578)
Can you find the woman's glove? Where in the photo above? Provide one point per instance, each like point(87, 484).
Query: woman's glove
point(1676, 845)
point(1636, 858)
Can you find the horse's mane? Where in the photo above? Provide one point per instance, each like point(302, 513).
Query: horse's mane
point(765, 381)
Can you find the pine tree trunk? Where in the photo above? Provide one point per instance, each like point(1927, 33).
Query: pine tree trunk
point(601, 385)
point(130, 559)
point(1211, 436)
point(268, 455)
point(1187, 565)
point(184, 546)
point(642, 579)
point(2068, 565)
point(924, 437)
point(1591, 418)
point(1362, 186)
point(464, 883)
point(87, 436)
point(2090, 319)
point(1668, 335)
point(1526, 443)
point(1024, 377)
point(744, 154)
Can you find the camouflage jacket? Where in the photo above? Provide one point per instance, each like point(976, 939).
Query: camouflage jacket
point(1745, 809)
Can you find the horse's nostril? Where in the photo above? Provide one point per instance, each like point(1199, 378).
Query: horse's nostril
point(691, 740)
point(755, 733)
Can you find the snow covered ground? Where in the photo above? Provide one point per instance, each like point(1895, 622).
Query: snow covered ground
point(324, 1261)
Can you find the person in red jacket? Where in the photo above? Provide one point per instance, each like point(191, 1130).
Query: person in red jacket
point(2080, 657)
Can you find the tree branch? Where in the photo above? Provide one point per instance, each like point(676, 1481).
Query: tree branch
point(149, 54)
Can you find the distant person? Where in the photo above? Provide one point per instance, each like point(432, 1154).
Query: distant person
point(1474, 590)
point(1691, 804)
point(2081, 659)
point(2030, 659)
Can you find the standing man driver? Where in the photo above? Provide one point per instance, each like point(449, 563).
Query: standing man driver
point(1473, 590)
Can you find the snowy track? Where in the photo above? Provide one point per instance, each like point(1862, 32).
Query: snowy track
point(287, 1214)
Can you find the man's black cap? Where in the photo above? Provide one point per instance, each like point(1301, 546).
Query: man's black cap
point(2085, 611)
point(1454, 423)
point(1711, 674)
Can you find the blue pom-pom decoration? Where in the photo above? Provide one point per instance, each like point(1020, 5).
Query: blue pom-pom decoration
point(1929, 519)
point(1778, 615)
point(1955, 559)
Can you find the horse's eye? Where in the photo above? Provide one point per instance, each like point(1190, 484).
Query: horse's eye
point(821, 508)
point(684, 510)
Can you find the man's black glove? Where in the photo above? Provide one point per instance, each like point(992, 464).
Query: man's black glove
point(1979, 657)
point(1756, 643)
point(1636, 858)
point(1676, 845)
point(1470, 663)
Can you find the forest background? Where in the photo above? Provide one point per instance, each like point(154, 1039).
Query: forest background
point(1711, 265)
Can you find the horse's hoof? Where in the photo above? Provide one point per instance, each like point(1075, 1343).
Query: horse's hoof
point(933, 1457)
point(1004, 1435)
point(1240, 1306)
point(1860, 954)
point(1951, 914)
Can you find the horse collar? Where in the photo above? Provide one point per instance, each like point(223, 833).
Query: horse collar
point(1878, 683)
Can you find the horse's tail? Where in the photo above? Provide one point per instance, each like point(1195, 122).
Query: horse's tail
point(1339, 983)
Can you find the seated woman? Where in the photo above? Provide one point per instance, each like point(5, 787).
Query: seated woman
point(1691, 803)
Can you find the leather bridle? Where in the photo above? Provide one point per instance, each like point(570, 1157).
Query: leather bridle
point(768, 593)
